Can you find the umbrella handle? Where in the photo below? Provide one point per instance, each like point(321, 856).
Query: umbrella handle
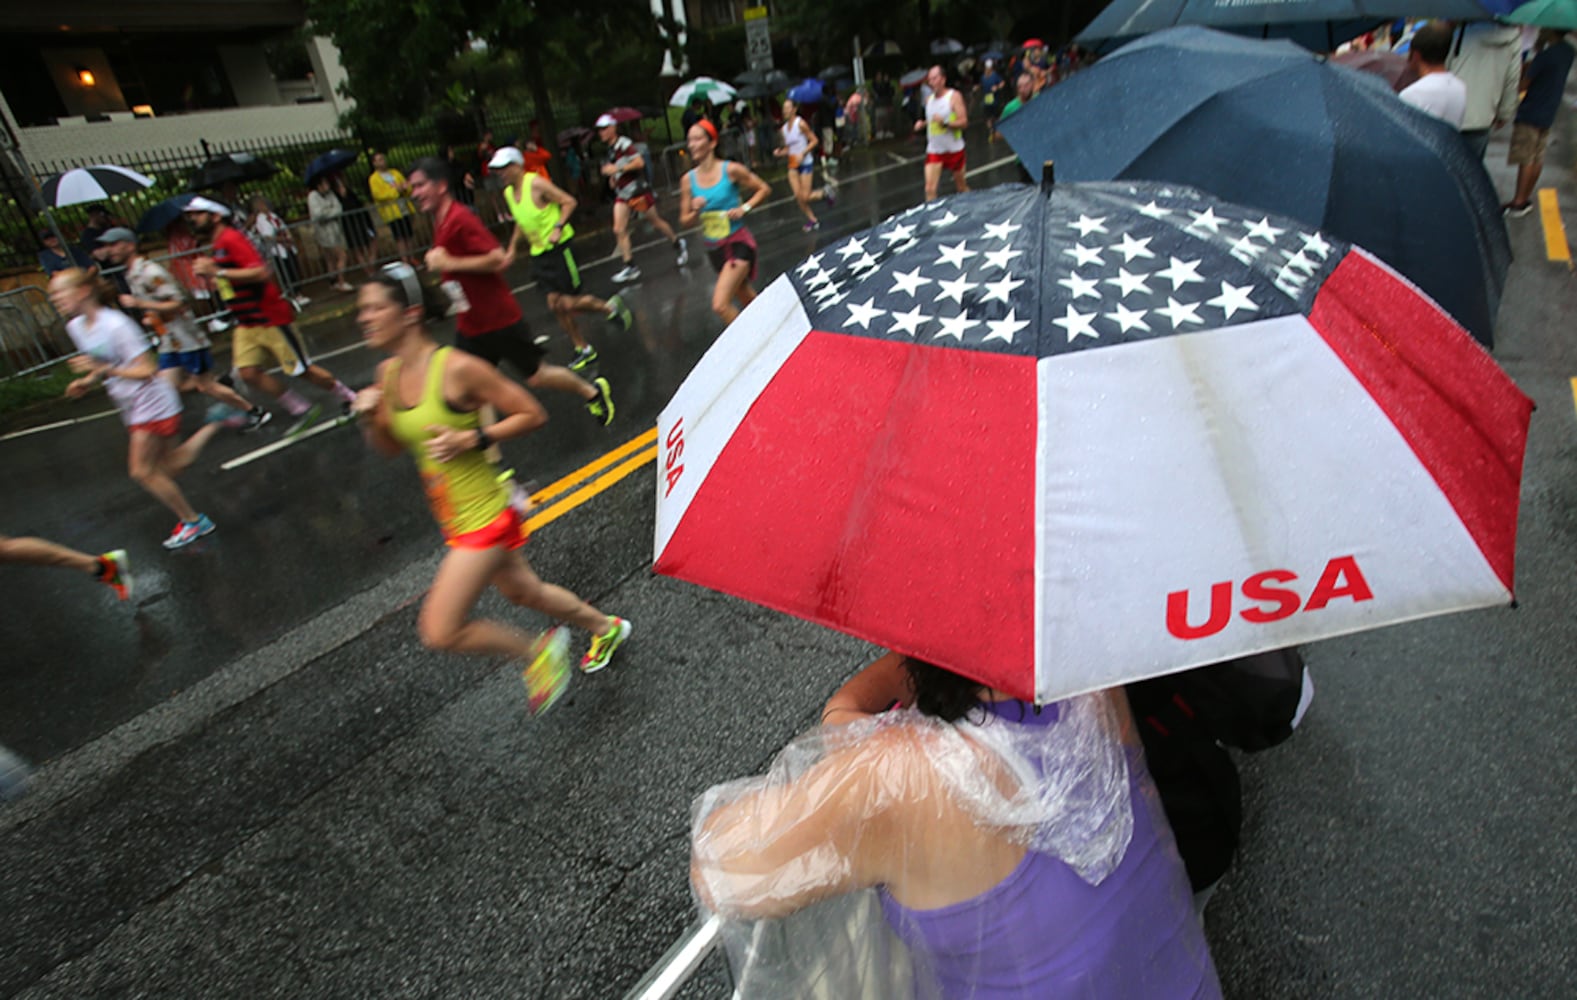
point(1048, 176)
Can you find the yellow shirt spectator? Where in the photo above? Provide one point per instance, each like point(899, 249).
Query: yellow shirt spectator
point(389, 190)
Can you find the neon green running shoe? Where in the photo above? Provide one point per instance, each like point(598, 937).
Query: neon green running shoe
point(547, 675)
point(603, 646)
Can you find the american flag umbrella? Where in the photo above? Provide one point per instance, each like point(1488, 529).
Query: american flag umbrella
point(1061, 441)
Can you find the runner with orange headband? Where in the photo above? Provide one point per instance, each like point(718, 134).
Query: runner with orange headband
point(711, 192)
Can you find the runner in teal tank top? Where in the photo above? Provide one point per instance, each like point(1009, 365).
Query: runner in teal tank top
point(429, 401)
point(541, 212)
point(712, 193)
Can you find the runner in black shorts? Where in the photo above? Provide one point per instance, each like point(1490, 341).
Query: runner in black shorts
point(541, 212)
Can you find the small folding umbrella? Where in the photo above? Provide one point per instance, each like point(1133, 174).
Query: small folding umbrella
point(230, 168)
point(165, 212)
point(1392, 67)
point(93, 183)
point(328, 163)
point(1268, 124)
point(622, 114)
point(714, 91)
point(1558, 14)
point(913, 78)
point(807, 91)
point(1317, 25)
point(883, 48)
point(1063, 441)
point(946, 47)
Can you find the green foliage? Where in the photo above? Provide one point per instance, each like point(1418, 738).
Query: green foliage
point(29, 390)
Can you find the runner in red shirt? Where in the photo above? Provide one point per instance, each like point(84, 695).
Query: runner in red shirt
point(263, 333)
point(490, 324)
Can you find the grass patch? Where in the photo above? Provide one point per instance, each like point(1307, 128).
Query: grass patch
point(22, 391)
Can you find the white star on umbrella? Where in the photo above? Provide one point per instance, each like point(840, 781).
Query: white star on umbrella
point(898, 234)
point(849, 249)
point(1155, 211)
point(1084, 255)
point(909, 322)
point(947, 219)
point(955, 255)
point(1263, 230)
point(954, 326)
point(1078, 324)
point(1087, 225)
point(1080, 287)
point(999, 258)
point(1206, 220)
point(908, 282)
point(1129, 283)
point(828, 294)
point(1000, 230)
point(1247, 248)
point(819, 278)
point(1232, 299)
point(954, 290)
point(863, 314)
point(1131, 248)
point(1004, 328)
point(1300, 261)
point(1315, 243)
point(811, 263)
point(1000, 290)
point(1129, 319)
point(1181, 272)
point(865, 263)
point(1179, 313)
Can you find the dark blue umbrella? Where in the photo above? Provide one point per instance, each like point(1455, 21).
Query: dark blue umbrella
point(328, 163)
point(806, 92)
point(1317, 25)
point(165, 212)
point(1267, 124)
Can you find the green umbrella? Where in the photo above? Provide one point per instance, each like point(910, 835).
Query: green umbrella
point(1558, 14)
point(712, 90)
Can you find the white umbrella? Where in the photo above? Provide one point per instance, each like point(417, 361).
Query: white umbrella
point(92, 183)
point(715, 91)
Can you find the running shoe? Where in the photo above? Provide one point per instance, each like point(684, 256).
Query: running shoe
point(630, 273)
point(602, 406)
point(619, 313)
point(604, 646)
point(188, 532)
point(256, 419)
point(300, 302)
point(229, 416)
point(585, 356)
point(681, 253)
point(547, 675)
point(304, 421)
point(829, 191)
point(1513, 210)
point(115, 573)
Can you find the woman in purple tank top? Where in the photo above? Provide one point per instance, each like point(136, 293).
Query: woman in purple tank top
point(966, 846)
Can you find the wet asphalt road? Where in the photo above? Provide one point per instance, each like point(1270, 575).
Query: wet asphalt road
point(259, 784)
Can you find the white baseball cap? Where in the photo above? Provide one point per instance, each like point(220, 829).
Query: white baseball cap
point(606, 120)
point(504, 156)
point(201, 204)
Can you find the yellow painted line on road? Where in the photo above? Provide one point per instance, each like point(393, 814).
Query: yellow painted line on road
point(596, 465)
point(550, 514)
point(1574, 393)
point(1555, 245)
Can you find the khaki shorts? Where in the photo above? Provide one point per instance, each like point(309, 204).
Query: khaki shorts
point(256, 346)
point(1527, 145)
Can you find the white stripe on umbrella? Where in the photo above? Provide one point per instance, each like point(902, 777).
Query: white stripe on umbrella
point(94, 183)
point(715, 91)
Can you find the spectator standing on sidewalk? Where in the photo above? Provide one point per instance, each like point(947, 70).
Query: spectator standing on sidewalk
point(1544, 81)
point(1488, 62)
point(361, 236)
point(323, 205)
point(273, 237)
point(55, 258)
point(391, 194)
point(1437, 91)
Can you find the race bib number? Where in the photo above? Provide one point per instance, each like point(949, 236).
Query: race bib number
point(226, 290)
point(715, 225)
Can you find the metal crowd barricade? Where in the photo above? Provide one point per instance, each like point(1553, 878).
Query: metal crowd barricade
point(32, 337)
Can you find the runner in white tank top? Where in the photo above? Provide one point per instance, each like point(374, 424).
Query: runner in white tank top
point(799, 146)
point(944, 124)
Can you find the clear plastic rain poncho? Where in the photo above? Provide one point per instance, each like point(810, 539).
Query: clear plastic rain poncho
point(1013, 853)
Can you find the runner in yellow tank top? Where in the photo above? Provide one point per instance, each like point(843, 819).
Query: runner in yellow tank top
point(426, 400)
point(541, 212)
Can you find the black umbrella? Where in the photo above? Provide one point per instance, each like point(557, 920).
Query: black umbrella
point(1317, 25)
point(165, 212)
point(1265, 123)
point(328, 163)
point(231, 168)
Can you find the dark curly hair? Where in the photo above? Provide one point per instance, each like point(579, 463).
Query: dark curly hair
point(939, 692)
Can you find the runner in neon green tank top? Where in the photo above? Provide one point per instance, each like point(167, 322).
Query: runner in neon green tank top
point(541, 212)
point(427, 400)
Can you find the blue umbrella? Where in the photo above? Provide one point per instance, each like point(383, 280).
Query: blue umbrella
point(1269, 125)
point(328, 163)
point(807, 91)
point(1317, 25)
point(165, 212)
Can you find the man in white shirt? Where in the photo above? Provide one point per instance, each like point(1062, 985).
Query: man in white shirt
point(1437, 92)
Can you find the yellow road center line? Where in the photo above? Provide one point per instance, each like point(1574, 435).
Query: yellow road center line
point(1574, 393)
point(1555, 245)
point(547, 516)
point(595, 465)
